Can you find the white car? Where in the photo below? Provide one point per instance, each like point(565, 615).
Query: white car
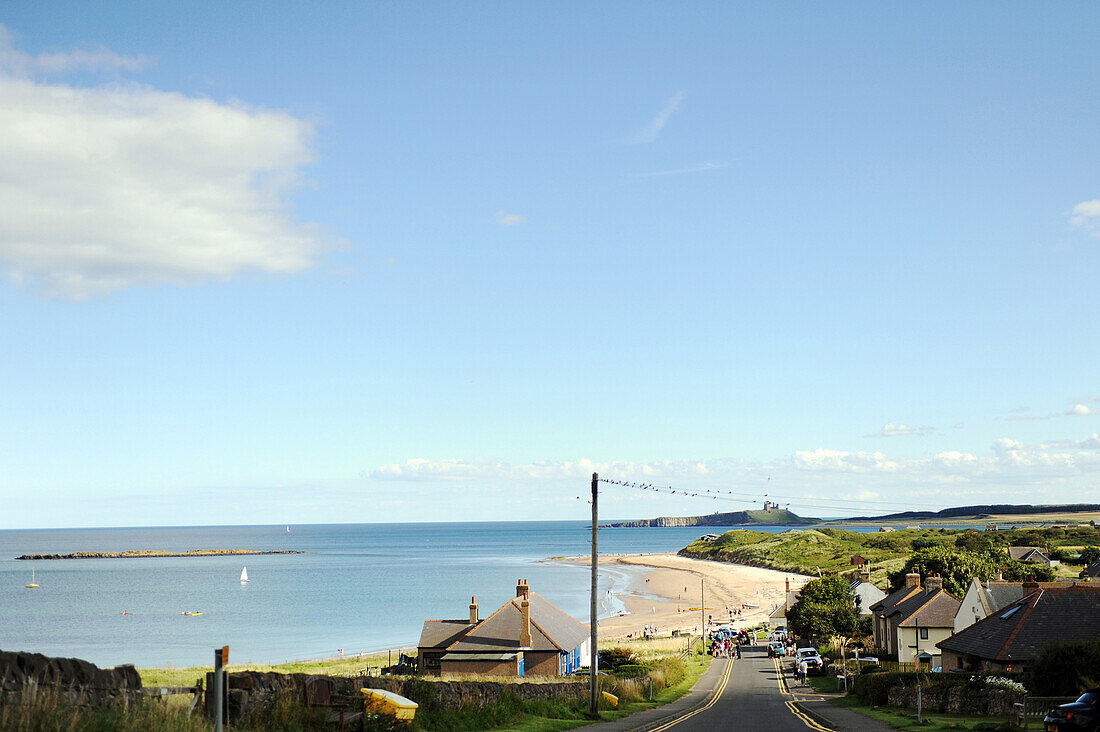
point(802, 653)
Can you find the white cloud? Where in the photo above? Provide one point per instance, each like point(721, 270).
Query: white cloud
point(509, 219)
point(98, 60)
point(1080, 410)
point(650, 132)
point(111, 187)
point(900, 430)
point(1011, 472)
point(1087, 215)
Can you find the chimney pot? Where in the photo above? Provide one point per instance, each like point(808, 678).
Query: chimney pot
point(935, 582)
point(473, 609)
point(912, 580)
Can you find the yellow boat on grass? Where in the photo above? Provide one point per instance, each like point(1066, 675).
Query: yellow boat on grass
point(386, 702)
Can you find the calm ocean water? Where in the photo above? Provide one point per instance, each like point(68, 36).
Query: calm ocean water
point(359, 587)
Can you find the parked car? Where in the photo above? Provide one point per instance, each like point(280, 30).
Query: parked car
point(1083, 714)
point(776, 650)
point(801, 652)
point(814, 666)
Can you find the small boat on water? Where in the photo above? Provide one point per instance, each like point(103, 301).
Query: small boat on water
point(288, 529)
point(244, 575)
point(33, 585)
point(191, 612)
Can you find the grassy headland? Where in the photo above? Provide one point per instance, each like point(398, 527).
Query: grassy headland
point(830, 550)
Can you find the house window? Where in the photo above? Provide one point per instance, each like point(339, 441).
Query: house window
point(924, 633)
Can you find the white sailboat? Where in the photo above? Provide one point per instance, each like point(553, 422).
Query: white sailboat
point(244, 575)
point(288, 529)
point(32, 585)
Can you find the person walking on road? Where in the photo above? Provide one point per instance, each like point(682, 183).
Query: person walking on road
point(802, 667)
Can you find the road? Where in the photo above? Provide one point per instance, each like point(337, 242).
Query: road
point(752, 693)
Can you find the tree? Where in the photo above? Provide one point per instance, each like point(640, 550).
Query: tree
point(1066, 669)
point(1014, 571)
point(825, 608)
point(956, 567)
point(974, 541)
point(1089, 555)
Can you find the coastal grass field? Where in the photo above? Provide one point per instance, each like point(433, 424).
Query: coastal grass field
point(830, 550)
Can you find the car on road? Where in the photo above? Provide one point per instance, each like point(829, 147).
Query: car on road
point(776, 650)
point(1083, 714)
point(815, 666)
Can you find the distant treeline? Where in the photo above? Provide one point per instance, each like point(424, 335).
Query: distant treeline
point(981, 511)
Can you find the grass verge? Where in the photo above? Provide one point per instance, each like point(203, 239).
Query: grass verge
point(907, 718)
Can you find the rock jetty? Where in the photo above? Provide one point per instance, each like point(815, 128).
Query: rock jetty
point(146, 553)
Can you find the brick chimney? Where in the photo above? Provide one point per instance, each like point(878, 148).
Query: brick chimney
point(522, 589)
point(525, 624)
point(1000, 576)
point(1030, 585)
point(788, 584)
point(934, 583)
point(473, 609)
point(912, 580)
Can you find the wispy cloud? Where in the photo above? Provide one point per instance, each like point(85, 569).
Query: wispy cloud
point(1087, 215)
point(1056, 469)
point(97, 60)
point(650, 132)
point(901, 430)
point(681, 171)
point(1081, 410)
point(509, 219)
point(178, 190)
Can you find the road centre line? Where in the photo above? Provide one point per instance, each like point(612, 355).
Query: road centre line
point(714, 700)
point(781, 680)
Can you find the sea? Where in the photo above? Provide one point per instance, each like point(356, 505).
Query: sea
point(357, 588)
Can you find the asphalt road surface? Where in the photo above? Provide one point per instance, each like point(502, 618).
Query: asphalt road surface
point(752, 693)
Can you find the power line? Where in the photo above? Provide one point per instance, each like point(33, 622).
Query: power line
point(742, 497)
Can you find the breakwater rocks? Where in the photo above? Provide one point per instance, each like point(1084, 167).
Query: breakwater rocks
point(82, 682)
point(153, 553)
point(255, 692)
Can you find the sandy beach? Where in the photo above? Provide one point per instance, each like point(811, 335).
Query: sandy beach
point(663, 590)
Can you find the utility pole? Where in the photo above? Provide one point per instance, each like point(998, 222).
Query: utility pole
point(594, 663)
point(702, 615)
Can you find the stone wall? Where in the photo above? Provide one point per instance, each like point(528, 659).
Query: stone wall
point(957, 699)
point(23, 674)
point(255, 691)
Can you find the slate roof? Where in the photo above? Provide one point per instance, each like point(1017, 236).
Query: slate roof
point(929, 609)
point(552, 629)
point(996, 594)
point(442, 633)
point(1020, 631)
point(1028, 554)
point(888, 602)
point(1093, 570)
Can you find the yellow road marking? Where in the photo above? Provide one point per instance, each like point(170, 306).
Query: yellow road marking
point(806, 719)
point(781, 679)
point(714, 700)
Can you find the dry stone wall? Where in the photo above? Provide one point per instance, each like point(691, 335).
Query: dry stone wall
point(252, 692)
point(23, 674)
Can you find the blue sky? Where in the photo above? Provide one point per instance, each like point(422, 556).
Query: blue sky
point(390, 262)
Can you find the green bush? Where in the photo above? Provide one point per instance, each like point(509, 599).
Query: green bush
point(631, 670)
point(1066, 669)
point(613, 658)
